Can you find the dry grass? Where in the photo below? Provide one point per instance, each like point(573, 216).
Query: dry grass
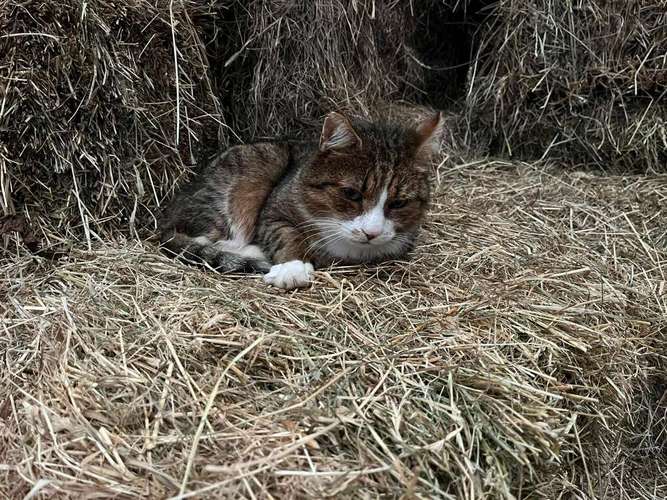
point(103, 106)
point(298, 60)
point(584, 82)
point(520, 353)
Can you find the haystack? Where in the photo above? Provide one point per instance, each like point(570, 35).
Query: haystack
point(520, 353)
point(581, 82)
point(103, 107)
point(298, 60)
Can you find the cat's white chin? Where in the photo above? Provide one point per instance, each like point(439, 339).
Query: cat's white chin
point(351, 251)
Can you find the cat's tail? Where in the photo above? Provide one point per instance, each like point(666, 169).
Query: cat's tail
point(223, 255)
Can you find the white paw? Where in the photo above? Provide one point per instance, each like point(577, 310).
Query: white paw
point(292, 274)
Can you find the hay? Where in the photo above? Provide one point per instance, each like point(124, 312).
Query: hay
point(521, 352)
point(298, 60)
point(98, 115)
point(583, 82)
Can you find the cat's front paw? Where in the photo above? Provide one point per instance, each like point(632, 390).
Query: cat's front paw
point(289, 275)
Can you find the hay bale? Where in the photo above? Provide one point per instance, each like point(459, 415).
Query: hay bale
point(580, 82)
point(498, 363)
point(298, 60)
point(99, 116)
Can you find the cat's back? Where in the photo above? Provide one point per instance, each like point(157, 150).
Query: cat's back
point(233, 186)
point(252, 160)
point(260, 166)
point(246, 175)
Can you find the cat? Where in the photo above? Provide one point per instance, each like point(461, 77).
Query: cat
point(283, 208)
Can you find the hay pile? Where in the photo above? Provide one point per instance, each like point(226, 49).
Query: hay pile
point(102, 107)
point(520, 353)
point(583, 82)
point(299, 60)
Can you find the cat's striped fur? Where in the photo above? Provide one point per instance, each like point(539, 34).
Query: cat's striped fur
point(359, 195)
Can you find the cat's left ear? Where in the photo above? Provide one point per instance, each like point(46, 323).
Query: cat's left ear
point(337, 133)
point(429, 134)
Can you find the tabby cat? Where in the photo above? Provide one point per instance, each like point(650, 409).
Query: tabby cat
point(286, 207)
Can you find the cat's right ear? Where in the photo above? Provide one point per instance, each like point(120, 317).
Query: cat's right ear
point(429, 134)
point(337, 133)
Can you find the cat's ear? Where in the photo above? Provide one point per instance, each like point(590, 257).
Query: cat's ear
point(337, 133)
point(429, 134)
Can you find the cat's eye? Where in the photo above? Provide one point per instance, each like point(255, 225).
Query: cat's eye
point(396, 204)
point(351, 194)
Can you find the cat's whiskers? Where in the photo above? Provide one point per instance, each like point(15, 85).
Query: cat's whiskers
point(320, 226)
point(317, 222)
point(313, 229)
point(327, 238)
point(318, 231)
point(323, 238)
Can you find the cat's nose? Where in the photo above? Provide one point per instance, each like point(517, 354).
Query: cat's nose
point(370, 234)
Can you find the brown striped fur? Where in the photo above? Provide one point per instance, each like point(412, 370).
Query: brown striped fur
point(275, 202)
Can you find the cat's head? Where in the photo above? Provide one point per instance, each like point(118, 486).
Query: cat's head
point(367, 189)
